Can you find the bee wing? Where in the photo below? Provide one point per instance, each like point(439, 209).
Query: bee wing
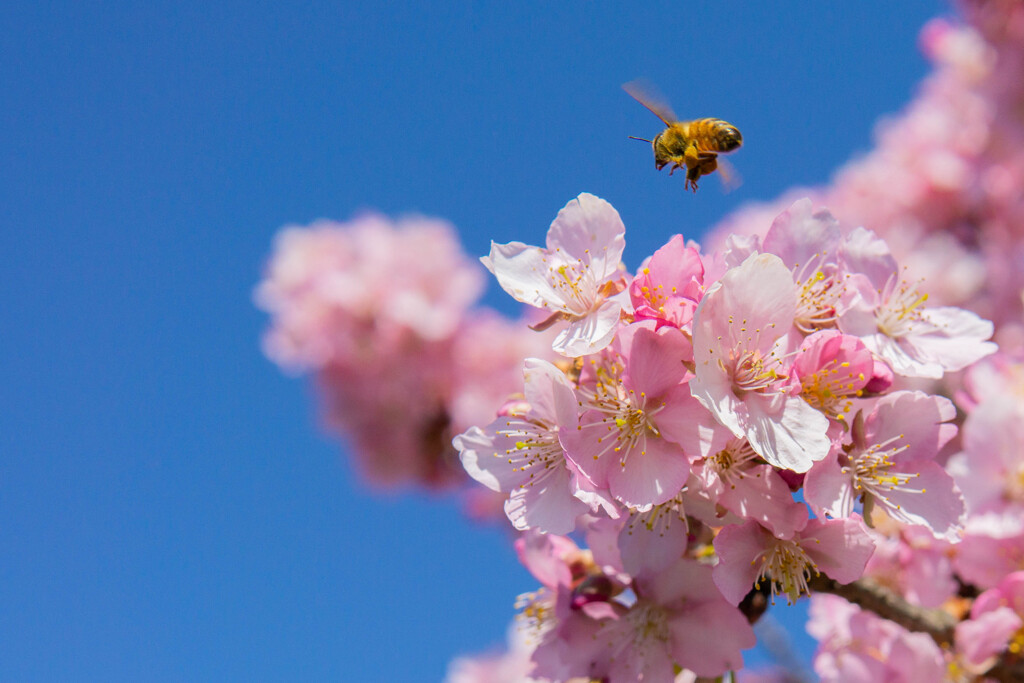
point(646, 94)
point(729, 175)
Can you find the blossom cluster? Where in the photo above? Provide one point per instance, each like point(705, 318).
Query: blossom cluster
point(721, 425)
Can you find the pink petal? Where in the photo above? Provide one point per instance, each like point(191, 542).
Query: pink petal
point(840, 547)
point(708, 638)
point(793, 438)
point(591, 333)
point(763, 496)
point(651, 549)
point(940, 507)
point(799, 234)
point(549, 507)
point(917, 417)
point(549, 393)
point(737, 547)
point(521, 271)
point(828, 489)
point(979, 640)
point(650, 477)
point(590, 228)
point(655, 361)
point(865, 252)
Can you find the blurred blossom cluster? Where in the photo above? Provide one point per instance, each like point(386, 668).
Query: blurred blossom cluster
point(812, 404)
point(381, 313)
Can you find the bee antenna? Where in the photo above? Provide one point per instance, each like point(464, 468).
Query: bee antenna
point(633, 137)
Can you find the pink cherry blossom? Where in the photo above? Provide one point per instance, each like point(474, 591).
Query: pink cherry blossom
point(750, 554)
point(990, 469)
point(678, 618)
point(736, 480)
point(832, 369)
point(890, 463)
point(980, 640)
point(637, 410)
point(520, 454)
point(992, 546)
point(915, 563)
point(739, 340)
point(512, 666)
point(562, 618)
point(890, 316)
point(722, 399)
point(996, 622)
point(999, 378)
point(576, 277)
point(409, 276)
point(654, 539)
point(668, 287)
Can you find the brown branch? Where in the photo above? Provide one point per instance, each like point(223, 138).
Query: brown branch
point(939, 624)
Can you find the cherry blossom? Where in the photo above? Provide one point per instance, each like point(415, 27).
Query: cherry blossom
point(669, 285)
point(996, 623)
point(576, 277)
point(736, 479)
point(636, 412)
point(520, 453)
point(890, 463)
point(739, 339)
point(989, 469)
point(832, 369)
point(750, 554)
point(912, 561)
point(858, 647)
point(890, 316)
point(678, 618)
point(804, 364)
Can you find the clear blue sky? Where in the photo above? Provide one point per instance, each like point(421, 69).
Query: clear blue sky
point(168, 508)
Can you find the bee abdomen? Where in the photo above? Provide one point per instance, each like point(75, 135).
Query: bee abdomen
point(716, 135)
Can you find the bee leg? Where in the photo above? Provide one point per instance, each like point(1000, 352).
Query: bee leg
point(692, 175)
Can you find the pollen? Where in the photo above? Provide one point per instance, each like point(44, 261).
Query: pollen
point(786, 565)
point(650, 625)
point(536, 451)
point(731, 462)
point(874, 471)
point(537, 614)
point(752, 371)
point(628, 417)
point(832, 387)
point(902, 312)
point(659, 518)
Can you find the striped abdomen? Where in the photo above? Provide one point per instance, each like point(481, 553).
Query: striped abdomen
point(714, 135)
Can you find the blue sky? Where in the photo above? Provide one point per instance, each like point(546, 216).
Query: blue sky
point(168, 507)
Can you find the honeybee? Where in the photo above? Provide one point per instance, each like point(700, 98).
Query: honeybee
point(693, 144)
